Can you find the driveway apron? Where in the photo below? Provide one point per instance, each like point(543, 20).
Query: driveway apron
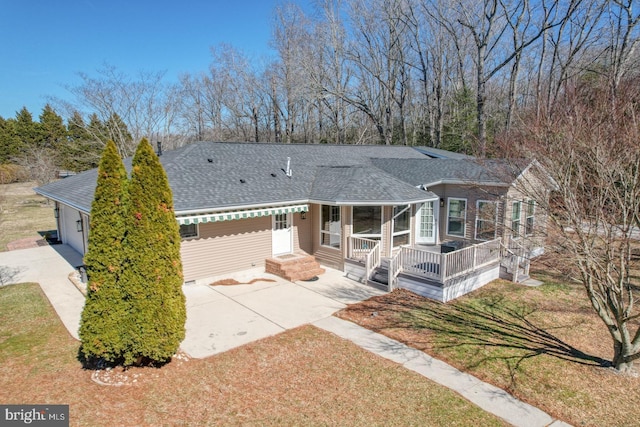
point(219, 318)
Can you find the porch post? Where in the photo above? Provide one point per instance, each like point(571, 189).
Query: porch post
point(475, 256)
point(443, 266)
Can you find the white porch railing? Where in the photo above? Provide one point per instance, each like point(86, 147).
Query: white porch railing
point(365, 250)
point(469, 259)
point(395, 267)
point(422, 263)
point(430, 265)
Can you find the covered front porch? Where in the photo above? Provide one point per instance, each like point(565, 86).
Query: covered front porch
point(442, 272)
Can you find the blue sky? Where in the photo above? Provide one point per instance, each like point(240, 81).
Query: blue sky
point(45, 43)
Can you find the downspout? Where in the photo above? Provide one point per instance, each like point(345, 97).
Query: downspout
point(82, 230)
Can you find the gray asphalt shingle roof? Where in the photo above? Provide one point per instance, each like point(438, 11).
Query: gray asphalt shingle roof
point(468, 170)
point(217, 176)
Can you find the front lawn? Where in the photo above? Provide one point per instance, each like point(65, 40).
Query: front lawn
point(545, 345)
point(305, 376)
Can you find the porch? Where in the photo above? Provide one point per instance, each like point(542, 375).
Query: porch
point(441, 272)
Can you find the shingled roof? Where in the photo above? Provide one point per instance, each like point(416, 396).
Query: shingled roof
point(488, 172)
point(210, 176)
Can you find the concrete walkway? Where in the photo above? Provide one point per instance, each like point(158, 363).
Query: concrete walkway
point(224, 317)
point(489, 398)
point(49, 266)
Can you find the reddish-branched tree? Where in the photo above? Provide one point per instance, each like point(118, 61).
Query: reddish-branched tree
point(590, 145)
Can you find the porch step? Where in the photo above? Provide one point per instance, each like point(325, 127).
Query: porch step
point(294, 267)
point(379, 279)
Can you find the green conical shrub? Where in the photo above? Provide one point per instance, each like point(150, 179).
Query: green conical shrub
point(105, 310)
point(152, 275)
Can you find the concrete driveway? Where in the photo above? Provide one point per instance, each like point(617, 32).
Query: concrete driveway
point(218, 317)
point(223, 317)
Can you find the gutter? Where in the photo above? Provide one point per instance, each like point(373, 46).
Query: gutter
point(462, 182)
point(63, 201)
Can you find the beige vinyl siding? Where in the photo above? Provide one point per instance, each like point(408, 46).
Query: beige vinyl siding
point(225, 247)
point(540, 218)
point(302, 232)
point(325, 255)
point(472, 194)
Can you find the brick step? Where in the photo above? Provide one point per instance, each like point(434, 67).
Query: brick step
point(294, 268)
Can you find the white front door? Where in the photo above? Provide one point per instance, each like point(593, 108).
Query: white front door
point(426, 223)
point(282, 234)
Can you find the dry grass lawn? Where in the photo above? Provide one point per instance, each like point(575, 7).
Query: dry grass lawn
point(545, 345)
point(301, 377)
point(23, 213)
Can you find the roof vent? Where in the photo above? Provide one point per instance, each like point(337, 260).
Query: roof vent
point(273, 174)
point(288, 171)
point(242, 181)
point(210, 160)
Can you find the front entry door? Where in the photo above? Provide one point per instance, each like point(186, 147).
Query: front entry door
point(426, 233)
point(282, 235)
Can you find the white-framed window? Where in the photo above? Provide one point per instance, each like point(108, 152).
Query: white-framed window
point(367, 221)
point(188, 231)
point(456, 216)
point(401, 225)
point(530, 212)
point(486, 219)
point(281, 221)
point(516, 218)
point(330, 226)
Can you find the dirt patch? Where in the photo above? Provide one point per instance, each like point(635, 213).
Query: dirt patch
point(231, 282)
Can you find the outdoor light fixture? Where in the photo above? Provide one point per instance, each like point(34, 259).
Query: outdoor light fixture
point(56, 212)
point(303, 215)
point(79, 225)
point(442, 202)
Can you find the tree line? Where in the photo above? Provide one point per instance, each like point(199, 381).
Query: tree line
point(39, 150)
point(450, 74)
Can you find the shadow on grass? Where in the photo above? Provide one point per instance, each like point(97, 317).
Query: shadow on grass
point(491, 330)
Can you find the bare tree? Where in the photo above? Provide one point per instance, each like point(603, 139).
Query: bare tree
point(489, 24)
point(567, 50)
point(624, 39)
point(377, 54)
point(140, 101)
point(40, 163)
point(592, 152)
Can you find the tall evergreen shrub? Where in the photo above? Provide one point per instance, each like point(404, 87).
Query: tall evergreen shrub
point(152, 273)
point(105, 310)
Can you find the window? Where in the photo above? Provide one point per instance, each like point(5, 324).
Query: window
point(401, 225)
point(486, 218)
point(516, 212)
point(188, 230)
point(330, 226)
point(427, 221)
point(456, 217)
point(281, 221)
point(367, 221)
point(529, 217)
